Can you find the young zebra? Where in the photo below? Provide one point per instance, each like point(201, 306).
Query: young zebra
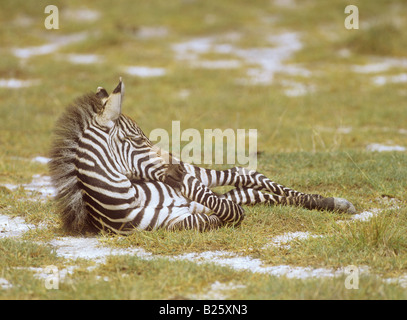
point(109, 176)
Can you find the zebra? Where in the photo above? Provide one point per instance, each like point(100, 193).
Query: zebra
point(109, 177)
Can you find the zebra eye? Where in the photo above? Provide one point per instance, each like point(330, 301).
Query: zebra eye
point(133, 139)
point(130, 137)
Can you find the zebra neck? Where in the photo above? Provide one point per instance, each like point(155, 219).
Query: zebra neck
point(107, 194)
point(97, 170)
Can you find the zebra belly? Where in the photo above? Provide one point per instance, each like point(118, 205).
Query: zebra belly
point(163, 206)
point(155, 205)
point(154, 218)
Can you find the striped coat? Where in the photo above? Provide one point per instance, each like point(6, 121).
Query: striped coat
point(109, 176)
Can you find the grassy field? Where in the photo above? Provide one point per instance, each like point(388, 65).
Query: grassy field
point(325, 101)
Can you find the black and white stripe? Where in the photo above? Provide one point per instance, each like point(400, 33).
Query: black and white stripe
point(110, 177)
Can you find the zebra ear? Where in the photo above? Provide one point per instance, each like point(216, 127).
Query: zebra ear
point(112, 105)
point(102, 94)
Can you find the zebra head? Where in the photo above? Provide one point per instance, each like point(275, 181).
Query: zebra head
point(132, 151)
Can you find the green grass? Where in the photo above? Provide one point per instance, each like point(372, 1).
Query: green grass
point(301, 142)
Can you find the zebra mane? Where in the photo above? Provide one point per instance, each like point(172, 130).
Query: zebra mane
point(68, 131)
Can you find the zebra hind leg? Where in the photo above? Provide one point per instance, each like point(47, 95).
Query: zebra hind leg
point(198, 221)
point(227, 211)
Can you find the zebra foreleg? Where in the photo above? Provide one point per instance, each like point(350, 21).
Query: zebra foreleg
point(227, 211)
point(244, 178)
point(250, 196)
point(198, 221)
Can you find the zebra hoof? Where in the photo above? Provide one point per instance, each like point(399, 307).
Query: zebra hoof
point(343, 205)
point(174, 175)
